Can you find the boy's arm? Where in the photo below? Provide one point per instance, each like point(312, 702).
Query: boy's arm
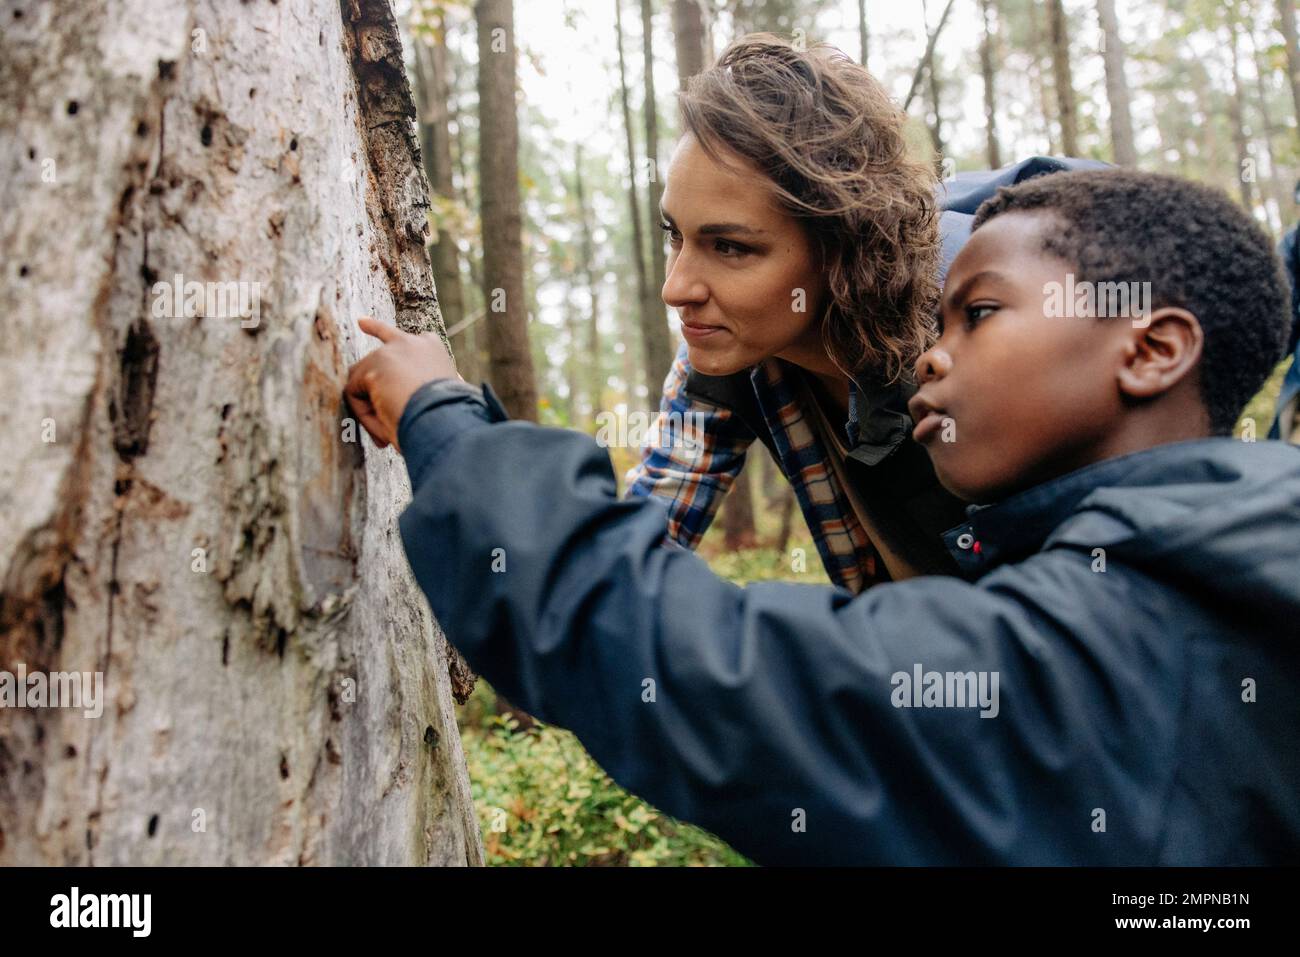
point(690, 458)
point(766, 714)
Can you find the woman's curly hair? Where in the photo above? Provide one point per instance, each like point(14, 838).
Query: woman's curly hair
point(829, 137)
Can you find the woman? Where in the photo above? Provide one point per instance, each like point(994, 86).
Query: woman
point(804, 266)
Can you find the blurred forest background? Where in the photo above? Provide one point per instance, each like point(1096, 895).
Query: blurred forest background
point(1203, 89)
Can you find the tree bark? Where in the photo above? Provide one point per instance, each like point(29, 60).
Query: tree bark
point(1065, 101)
point(688, 34)
point(1286, 12)
point(185, 507)
point(1117, 92)
point(1237, 117)
point(1036, 41)
point(864, 44)
point(659, 345)
point(509, 356)
point(988, 70)
point(738, 512)
point(434, 95)
point(595, 366)
point(645, 313)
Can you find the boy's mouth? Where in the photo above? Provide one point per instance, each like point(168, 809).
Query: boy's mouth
point(928, 417)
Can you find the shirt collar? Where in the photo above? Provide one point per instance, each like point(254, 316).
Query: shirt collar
point(878, 419)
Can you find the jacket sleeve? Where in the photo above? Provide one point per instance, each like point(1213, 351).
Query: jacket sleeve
point(764, 714)
point(690, 459)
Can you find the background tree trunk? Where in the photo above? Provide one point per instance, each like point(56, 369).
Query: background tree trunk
point(1121, 114)
point(434, 95)
point(688, 34)
point(988, 70)
point(645, 313)
point(1286, 12)
point(595, 371)
point(195, 523)
point(1064, 82)
point(509, 355)
point(659, 344)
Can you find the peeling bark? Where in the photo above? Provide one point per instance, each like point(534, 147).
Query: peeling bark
point(202, 529)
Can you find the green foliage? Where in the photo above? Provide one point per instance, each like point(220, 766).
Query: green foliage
point(542, 801)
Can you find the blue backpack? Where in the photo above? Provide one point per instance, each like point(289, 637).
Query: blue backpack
point(960, 196)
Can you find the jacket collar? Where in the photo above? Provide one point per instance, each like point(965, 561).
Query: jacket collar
point(1018, 526)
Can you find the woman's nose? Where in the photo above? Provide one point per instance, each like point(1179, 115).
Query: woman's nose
point(934, 363)
point(682, 286)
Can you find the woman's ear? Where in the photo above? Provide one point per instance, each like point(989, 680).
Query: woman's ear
point(1161, 352)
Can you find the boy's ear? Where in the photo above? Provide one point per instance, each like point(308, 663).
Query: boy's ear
point(1160, 353)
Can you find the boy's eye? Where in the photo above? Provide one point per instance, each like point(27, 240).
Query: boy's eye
point(975, 313)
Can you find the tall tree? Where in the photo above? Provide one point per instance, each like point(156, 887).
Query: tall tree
point(1117, 93)
point(1041, 63)
point(689, 39)
point(988, 70)
point(659, 344)
point(864, 40)
point(1286, 12)
point(1246, 172)
point(933, 87)
point(186, 508)
point(509, 355)
point(1064, 80)
point(433, 91)
point(595, 368)
point(646, 312)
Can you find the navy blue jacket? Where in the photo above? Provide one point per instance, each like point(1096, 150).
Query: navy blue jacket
point(1139, 616)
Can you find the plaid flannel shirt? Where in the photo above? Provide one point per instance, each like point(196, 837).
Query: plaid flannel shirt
point(695, 450)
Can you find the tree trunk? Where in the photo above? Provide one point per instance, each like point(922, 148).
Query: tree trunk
point(186, 510)
point(434, 95)
point(863, 38)
point(1064, 81)
point(932, 87)
point(509, 356)
point(989, 72)
point(595, 367)
point(1286, 11)
point(1237, 117)
point(1036, 42)
point(646, 315)
point(1121, 115)
point(688, 34)
point(659, 345)
point(738, 512)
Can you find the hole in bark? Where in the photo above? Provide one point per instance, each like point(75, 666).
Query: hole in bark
point(153, 825)
point(22, 270)
point(284, 767)
point(31, 153)
point(142, 129)
point(205, 136)
point(293, 143)
point(18, 15)
point(252, 92)
point(150, 276)
point(130, 409)
point(430, 737)
point(166, 69)
point(225, 650)
point(73, 107)
point(70, 751)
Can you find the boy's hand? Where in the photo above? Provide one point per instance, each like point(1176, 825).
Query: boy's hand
point(380, 385)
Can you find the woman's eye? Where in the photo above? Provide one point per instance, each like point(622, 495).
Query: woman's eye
point(671, 231)
point(975, 313)
point(729, 249)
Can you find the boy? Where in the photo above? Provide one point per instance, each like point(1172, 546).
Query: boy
point(1113, 682)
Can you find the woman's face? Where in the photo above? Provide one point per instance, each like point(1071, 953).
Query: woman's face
point(741, 271)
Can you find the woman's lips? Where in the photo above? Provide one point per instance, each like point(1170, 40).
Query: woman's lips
point(696, 332)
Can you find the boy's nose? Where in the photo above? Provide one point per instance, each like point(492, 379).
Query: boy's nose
point(934, 363)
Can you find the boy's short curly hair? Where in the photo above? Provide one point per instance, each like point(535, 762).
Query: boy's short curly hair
point(1197, 248)
point(831, 140)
